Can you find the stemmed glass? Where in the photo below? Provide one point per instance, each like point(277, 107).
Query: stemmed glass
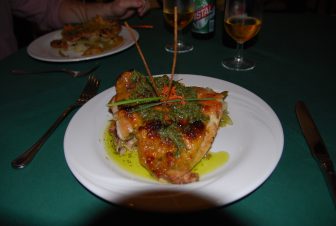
point(185, 15)
point(242, 21)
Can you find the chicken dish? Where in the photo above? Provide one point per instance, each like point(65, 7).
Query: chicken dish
point(89, 38)
point(171, 132)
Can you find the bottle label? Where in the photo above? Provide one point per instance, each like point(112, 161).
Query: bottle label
point(204, 17)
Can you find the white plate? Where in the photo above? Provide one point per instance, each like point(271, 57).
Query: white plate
point(40, 48)
point(254, 143)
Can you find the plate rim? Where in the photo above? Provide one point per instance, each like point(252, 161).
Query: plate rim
point(245, 192)
point(45, 38)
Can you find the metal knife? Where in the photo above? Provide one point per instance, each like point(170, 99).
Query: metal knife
point(317, 146)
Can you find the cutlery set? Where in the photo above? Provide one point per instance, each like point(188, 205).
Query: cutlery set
point(309, 129)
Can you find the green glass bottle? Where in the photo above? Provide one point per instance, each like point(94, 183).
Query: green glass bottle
point(203, 26)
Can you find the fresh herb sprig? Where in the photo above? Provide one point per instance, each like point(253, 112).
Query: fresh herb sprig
point(145, 102)
point(146, 106)
point(134, 101)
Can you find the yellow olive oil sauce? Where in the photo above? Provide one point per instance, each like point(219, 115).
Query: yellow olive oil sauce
point(130, 162)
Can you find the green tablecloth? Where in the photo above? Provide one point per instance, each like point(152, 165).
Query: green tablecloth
point(296, 58)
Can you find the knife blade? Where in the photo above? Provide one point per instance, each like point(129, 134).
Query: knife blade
point(317, 146)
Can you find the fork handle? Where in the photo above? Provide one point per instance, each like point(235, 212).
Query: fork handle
point(26, 157)
point(23, 72)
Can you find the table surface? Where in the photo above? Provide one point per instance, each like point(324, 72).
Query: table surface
point(295, 56)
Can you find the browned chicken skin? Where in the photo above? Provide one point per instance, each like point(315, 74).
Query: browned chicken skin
point(168, 157)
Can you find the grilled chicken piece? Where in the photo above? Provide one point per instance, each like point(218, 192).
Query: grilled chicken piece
point(173, 141)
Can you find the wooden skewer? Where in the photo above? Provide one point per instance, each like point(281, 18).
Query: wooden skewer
point(143, 58)
point(175, 52)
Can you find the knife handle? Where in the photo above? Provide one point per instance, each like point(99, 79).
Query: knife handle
point(330, 175)
point(322, 156)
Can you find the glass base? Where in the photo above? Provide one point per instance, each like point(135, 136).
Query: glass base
point(238, 64)
point(181, 47)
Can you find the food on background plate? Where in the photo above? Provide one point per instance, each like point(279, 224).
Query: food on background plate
point(89, 38)
point(171, 131)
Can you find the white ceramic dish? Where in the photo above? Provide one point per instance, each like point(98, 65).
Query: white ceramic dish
point(254, 143)
point(40, 48)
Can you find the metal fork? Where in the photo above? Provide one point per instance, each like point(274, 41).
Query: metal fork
point(72, 73)
point(89, 91)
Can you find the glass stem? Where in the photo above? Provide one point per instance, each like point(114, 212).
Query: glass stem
point(179, 38)
point(239, 53)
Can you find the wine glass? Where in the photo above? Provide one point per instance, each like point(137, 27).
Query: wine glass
point(185, 15)
point(242, 21)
